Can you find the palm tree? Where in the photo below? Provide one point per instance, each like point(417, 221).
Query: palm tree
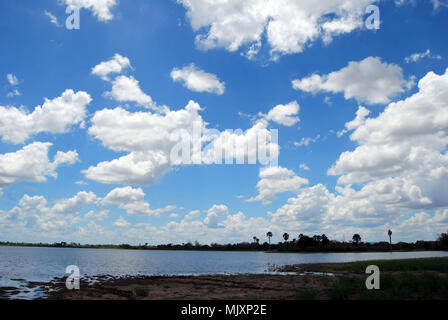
point(286, 236)
point(269, 235)
point(356, 238)
point(389, 233)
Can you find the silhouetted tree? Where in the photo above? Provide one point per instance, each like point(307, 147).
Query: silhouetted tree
point(324, 240)
point(389, 233)
point(286, 236)
point(269, 235)
point(443, 240)
point(356, 238)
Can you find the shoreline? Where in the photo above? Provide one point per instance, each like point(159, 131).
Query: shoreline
point(321, 281)
point(211, 250)
point(316, 281)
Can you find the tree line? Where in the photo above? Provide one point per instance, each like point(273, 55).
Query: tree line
point(301, 243)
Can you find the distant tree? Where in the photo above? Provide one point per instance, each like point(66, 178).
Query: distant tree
point(356, 238)
point(443, 240)
point(389, 233)
point(256, 240)
point(286, 236)
point(269, 235)
point(324, 240)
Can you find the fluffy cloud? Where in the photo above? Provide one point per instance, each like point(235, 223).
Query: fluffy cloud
point(127, 89)
point(115, 65)
point(54, 116)
point(198, 80)
point(31, 163)
point(290, 26)
point(121, 223)
point(100, 8)
point(215, 215)
point(360, 119)
point(151, 141)
point(408, 141)
point(370, 81)
point(275, 180)
point(285, 115)
point(132, 200)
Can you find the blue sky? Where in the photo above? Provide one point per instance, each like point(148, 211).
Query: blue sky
point(324, 60)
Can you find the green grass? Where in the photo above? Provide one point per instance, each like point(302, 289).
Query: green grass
point(426, 264)
point(426, 286)
point(307, 294)
point(141, 292)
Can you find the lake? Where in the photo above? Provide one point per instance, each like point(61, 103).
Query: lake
point(44, 264)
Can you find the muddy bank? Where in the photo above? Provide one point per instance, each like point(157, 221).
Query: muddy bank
point(219, 287)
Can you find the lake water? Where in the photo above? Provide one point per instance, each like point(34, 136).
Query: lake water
point(44, 264)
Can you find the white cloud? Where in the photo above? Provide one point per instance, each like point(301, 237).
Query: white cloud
point(12, 79)
point(370, 80)
point(408, 141)
point(360, 119)
point(415, 57)
point(284, 114)
point(215, 215)
point(52, 18)
point(275, 180)
point(289, 26)
point(305, 142)
point(14, 93)
point(150, 139)
point(304, 166)
point(31, 163)
point(75, 204)
point(132, 200)
point(54, 116)
point(127, 89)
point(116, 65)
point(192, 214)
point(198, 80)
point(100, 8)
point(121, 223)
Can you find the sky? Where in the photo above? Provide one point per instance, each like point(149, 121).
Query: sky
point(139, 121)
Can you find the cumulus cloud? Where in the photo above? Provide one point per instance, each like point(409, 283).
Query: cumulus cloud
point(132, 200)
point(121, 223)
point(116, 65)
point(198, 80)
point(360, 119)
point(275, 180)
point(408, 141)
point(100, 8)
point(151, 140)
point(289, 26)
point(370, 80)
point(285, 115)
point(215, 215)
point(31, 164)
point(54, 116)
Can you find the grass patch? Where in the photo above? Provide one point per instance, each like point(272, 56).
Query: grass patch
point(306, 294)
point(141, 292)
point(406, 286)
point(425, 264)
